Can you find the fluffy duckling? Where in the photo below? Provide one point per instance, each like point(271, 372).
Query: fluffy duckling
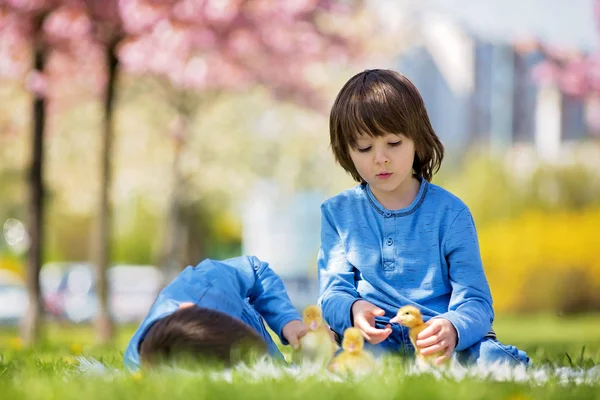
point(353, 359)
point(317, 344)
point(411, 317)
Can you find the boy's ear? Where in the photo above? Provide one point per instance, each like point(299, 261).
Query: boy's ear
point(185, 305)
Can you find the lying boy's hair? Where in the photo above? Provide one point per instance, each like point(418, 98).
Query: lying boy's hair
point(200, 335)
point(378, 102)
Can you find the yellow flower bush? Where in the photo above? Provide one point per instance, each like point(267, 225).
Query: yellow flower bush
point(544, 261)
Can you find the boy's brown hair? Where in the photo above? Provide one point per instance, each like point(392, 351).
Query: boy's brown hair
point(200, 335)
point(377, 102)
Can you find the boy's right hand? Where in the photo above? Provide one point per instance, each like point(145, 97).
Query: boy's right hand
point(293, 331)
point(364, 314)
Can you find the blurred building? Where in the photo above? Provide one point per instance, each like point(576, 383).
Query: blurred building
point(477, 82)
point(283, 228)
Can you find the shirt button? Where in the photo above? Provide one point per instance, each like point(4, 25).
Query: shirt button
point(388, 214)
point(389, 242)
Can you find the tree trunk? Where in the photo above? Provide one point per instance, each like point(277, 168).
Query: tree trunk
point(174, 240)
point(104, 322)
point(31, 324)
point(196, 231)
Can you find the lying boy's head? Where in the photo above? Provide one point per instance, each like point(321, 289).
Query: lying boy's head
point(376, 103)
point(200, 335)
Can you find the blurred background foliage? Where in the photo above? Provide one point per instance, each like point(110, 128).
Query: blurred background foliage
point(537, 217)
point(537, 232)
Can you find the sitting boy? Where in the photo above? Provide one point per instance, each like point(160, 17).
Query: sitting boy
point(209, 312)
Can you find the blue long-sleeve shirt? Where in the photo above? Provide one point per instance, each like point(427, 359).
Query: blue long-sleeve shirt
point(245, 288)
point(426, 255)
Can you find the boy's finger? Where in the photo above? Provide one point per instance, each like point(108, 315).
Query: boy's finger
point(429, 331)
point(379, 337)
point(378, 311)
point(370, 330)
point(293, 341)
point(447, 356)
point(302, 332)
point(425, 350)
point(381, 334)
point(429, 341)
point(440, 360)
point(448, 353)
point(363, 325)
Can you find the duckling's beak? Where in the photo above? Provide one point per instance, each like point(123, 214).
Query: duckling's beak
point(351, 347)
point(313, 326)
point(395, 320)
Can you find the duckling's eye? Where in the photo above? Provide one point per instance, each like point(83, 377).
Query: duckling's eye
point(406, 313)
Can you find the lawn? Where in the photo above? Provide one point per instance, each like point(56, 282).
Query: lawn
point(566, 351)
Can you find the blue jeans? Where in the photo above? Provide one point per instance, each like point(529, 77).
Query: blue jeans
point(488, 351)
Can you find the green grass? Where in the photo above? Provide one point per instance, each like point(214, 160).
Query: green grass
point(562, 340)
point(49, 371)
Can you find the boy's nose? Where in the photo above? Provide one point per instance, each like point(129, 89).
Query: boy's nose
point(381, 157)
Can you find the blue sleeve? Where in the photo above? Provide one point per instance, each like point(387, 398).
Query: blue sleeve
point(337, 290)
point(267, 293)
point(470, 309)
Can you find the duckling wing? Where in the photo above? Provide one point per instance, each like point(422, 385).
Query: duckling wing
point(316, 345)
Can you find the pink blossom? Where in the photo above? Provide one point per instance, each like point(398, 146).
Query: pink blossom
point(29, 5)
point(140, 15)
point(546, 72)
point(573, 79)
point(14, 45)
point(594, 73)
point(133, 53)
point(67, 23)
point(195, 44)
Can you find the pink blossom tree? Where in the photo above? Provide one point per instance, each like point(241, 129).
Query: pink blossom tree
point(23, 54)
point(201, 49)
point(74, 45)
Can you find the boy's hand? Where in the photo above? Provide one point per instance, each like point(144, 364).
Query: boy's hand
point(440, 335)
point(364, 314)
point(293, 331)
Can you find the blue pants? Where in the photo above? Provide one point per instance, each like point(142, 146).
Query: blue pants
point(490, 350)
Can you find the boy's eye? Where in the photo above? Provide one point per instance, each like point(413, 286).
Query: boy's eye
point(364, 149)
point(394, 144)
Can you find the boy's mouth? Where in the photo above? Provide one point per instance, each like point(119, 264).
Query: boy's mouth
point(384, 175)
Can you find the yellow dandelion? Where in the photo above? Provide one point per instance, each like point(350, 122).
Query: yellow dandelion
point(16, 343)
point(76, 349)
point(136, 376)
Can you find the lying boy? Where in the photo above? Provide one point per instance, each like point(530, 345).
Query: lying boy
point(209, 312)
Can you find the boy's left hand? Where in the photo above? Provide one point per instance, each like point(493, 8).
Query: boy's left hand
point(293, 331)
point(440, 335)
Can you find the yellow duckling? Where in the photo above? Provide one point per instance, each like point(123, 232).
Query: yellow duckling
point(317, 344)
point(353, 359)
point(411, 317)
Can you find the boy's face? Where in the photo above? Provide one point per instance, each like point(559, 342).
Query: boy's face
point(385, 163)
